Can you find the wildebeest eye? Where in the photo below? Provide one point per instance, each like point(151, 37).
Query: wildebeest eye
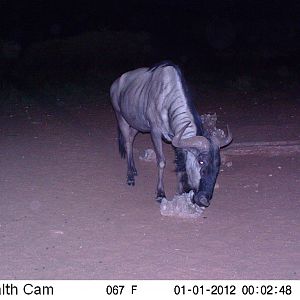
point(201, 162)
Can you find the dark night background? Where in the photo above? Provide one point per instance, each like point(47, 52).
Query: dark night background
point(227, 43)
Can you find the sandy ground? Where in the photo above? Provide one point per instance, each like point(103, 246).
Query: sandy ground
point(67, 213)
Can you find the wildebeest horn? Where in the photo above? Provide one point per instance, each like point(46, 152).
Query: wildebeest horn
point(223, 141)
point(177, 138)
point(199, 142)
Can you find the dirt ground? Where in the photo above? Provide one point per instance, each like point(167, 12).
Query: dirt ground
point(67, 213)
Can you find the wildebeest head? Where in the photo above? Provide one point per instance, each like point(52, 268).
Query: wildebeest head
point(202, 163)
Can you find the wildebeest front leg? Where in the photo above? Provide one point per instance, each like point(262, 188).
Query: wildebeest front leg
point(180, 188)
point(129, 134)
point(181, 171)
point(161, 163)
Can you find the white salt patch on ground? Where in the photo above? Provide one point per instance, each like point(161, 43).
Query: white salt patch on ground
point(148, 155)
point(181, 206)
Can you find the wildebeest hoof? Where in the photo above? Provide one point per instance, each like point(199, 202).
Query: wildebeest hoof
point(160, 196)
point(159, 199)
point(130, 181)
point(202, 201)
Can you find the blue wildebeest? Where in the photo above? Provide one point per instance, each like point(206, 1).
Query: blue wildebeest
point(155, 100)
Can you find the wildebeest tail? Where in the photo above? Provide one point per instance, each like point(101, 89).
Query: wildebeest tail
point(121, 143)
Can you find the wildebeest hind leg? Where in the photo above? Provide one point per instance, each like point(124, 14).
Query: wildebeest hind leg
point(132, 133)
point(128, 134)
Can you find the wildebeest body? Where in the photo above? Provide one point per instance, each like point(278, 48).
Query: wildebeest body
point(154, 100)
